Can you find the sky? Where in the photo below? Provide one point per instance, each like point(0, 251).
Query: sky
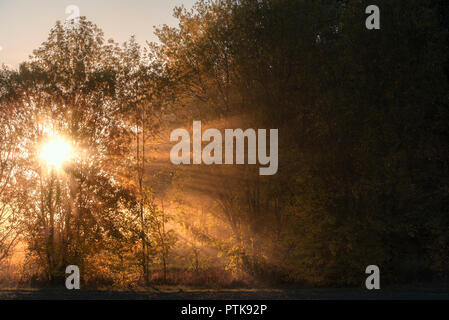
point(25, 24)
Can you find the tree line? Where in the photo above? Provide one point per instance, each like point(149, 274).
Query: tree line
point(363, 155)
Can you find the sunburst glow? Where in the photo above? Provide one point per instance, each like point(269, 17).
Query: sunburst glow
point(56, 152)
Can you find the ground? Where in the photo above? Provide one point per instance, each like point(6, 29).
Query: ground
point(181, 293)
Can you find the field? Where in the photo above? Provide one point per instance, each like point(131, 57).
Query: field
point(185, 293)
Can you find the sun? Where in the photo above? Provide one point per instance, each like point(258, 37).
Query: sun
point(56, 152)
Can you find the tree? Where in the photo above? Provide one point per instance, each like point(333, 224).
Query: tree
point(10, 170)
point(68, 90)
point(361, 116)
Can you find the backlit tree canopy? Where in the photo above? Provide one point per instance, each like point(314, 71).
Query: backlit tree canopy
point(363, 157)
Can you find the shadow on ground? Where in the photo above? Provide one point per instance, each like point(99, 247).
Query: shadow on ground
point(397, 293)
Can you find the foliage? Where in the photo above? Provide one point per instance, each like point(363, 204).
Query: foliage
point(362, 116)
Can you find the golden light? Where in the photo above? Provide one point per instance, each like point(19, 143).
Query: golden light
point(55, 152)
